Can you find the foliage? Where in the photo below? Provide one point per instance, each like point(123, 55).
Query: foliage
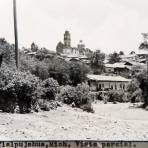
point(62, 71)
point(68, 95)
point(41, 70)
point(77, 96)
point(134, 91)
point(48, 89)
point(7, 52)
point(59, 70)
point(5, 75)
point(97, 62)
point(46, 105)
point(116, 96)
point(36, 67)
point(143, 85)
point(121, 53)
point(143, 45)
point(18, 89)
point(132, 52)
point(42, 53)
point(60, 47)
point(34, 47)
point(114, 58)
point(77, 72)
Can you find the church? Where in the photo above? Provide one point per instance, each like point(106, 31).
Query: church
point(65, 49)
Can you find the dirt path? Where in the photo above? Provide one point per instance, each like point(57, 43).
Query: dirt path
point(109, 122)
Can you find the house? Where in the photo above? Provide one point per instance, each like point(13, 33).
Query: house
point(142, 53)
point(118, 69)
point(129, 57)
point(101, 82)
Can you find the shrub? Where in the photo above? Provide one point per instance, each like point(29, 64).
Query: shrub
point(36, 67)
point(48, 89)
point(77, 72)
point(25, 85)
point(94, 96)
point(134, 91)
point(48, 105)
point(83, 94)
point(68, 95)
point(6, 74)
point(87, 107)
point(77, 96)
point(116, 96)
point(17, 90)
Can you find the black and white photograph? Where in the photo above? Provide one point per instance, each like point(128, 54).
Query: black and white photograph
point(74, 70)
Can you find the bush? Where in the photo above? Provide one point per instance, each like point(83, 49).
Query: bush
point(134, 91)
point(77, 96)
point(68, 95)
point(48, 105)
point(94, 96)
point(116, 96)
point(87, 107)
point(48, 89)
point(25, 85)
point(6, 74)
point(17, 89)
point(36, 67)
point(77, 72)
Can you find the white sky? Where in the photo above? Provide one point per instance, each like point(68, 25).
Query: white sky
point(108, 25)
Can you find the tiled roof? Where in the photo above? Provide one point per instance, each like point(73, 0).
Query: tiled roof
point(107, 78)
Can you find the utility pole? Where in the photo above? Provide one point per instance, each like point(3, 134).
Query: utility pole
point(16, 34)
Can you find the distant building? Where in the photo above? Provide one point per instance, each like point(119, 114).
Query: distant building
point(118, 69)
point(70, 53)
point(81, 45)
point(130, 57)
point(67, 39)
point(104, 83)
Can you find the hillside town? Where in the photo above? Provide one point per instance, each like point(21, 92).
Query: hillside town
point(71, 84)
point(79, 77)
point(115, 76)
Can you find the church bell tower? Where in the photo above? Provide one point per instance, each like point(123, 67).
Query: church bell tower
point(67, 39)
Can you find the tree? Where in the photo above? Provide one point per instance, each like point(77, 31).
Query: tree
point(77, 72)
point(121, 53)
point(143, 45)
point(97, 62)
point(59, 70)
point(42, 53)
point(34, 47)
point(36, 67)
point(134, 90)
point(7, 52)
point(114, 58)
point(132, 52)
point(60, 47)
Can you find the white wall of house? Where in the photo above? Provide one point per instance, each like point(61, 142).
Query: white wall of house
point(94, 85)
